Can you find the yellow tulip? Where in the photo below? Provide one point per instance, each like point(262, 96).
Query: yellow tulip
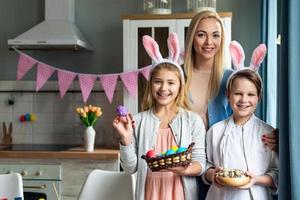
point(78, 110)
point(98, 109)
point(93, 109)
point(86, 109)
point(83, 114)
point(98, 113)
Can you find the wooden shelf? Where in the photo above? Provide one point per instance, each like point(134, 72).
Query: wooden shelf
point(75, 153)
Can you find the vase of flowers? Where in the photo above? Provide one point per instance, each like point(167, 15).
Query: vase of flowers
point(89, 115)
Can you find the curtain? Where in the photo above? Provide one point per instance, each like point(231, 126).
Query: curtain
point(268, 106)
point(289, 100)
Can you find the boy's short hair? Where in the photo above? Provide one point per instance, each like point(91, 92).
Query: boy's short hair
point(249, 74)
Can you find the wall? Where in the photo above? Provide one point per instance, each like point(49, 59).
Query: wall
point(57, 122)
point(100, 22)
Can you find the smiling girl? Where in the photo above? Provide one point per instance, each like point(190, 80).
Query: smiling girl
point(164, 122)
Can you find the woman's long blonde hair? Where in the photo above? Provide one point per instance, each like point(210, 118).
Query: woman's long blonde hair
point(181, 99)
point(189, 60)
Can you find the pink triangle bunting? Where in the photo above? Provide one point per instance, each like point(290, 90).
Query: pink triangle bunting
point(146, 72)
point(44, 72)
point(24, 65)
point(109, 83)
point(130, 81)
point(86, 82)
point(65, 79)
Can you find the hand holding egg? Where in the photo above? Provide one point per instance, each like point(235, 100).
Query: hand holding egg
point(122, 113)
point(124, 125)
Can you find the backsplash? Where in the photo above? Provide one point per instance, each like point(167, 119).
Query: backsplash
point(57, 122)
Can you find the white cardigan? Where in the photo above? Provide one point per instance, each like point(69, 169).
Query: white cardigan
point(187, 127)
point(232, 146)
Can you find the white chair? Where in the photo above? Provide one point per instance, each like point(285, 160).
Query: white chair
point(107, 185)
point(11, 186)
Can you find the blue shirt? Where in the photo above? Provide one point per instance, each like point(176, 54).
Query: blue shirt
point(219, 108)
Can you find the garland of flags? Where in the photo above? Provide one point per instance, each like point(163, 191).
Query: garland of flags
point(86, 81)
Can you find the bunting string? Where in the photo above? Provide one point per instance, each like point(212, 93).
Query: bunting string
point(86, 81)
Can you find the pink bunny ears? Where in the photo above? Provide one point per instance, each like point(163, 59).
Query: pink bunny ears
point(238, 56)
point(152, 50)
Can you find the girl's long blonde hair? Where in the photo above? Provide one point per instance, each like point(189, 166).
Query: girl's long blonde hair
point(181, 99)
point(190, 54)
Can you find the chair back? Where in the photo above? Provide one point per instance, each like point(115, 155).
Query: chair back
point(11, 186)
point(112, 185)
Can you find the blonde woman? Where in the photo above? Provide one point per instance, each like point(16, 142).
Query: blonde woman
point(206, 73)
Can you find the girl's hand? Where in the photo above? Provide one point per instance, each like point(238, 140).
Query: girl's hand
point(178, 170)
point(252, 182)
point(271, 140)
point(193, 169)
point(124, 126)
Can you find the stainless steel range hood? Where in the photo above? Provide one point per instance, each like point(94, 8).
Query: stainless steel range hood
point(57, 32)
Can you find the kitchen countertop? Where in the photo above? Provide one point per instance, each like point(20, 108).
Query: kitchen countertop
point(72, 153)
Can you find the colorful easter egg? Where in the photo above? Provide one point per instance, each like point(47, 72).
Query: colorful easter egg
point(174, 148)
point(151, 154)
point(22, 118)
point(181, 149)
point(170, 152)
point(121, 111)
point(27, 117)
point(32, 117)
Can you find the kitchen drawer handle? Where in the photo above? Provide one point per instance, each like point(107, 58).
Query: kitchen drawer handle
point(35, 187)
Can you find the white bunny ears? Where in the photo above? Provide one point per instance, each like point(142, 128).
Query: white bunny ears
point(152, 50)
point(238, 57)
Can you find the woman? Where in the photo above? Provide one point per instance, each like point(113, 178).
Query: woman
point(207, 76)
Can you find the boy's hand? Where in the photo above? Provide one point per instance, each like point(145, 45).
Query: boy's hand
point(252, 181)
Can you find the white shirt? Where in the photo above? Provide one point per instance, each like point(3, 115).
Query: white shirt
point(240, 147)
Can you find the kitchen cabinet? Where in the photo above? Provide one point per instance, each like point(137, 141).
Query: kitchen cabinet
point(74, 166)
point(159, 27)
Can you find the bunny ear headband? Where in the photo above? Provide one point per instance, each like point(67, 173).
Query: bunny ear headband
point(238, 57)
point(152, 50)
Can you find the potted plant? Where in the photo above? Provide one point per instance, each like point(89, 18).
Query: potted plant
point(88, 116)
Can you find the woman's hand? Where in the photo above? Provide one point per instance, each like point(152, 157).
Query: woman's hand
point(252, 182)
point(124, 126)
point(271, 140)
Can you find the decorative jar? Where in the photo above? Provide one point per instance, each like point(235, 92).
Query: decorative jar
point(158, 6)
point(201, 5)
point(89, 139)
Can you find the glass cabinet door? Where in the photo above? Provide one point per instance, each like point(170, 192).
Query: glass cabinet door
point(160, 34)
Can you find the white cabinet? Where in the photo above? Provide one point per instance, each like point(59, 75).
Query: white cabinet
point(159, 27)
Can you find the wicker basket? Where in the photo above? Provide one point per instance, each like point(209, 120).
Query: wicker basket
point(174, 160)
